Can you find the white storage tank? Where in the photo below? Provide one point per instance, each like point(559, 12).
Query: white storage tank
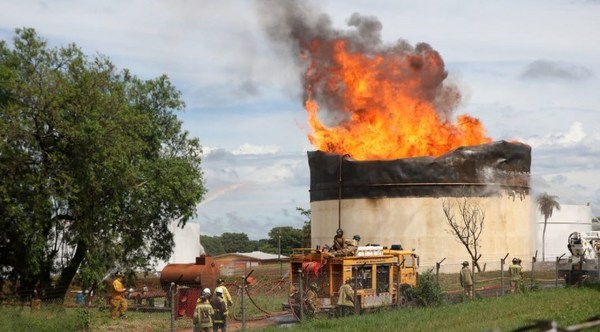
point(400, 201)
point(569, 219)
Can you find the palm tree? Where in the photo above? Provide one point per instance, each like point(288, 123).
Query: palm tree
point(547, 204)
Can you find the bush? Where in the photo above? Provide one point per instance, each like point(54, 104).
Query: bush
point(428, 292)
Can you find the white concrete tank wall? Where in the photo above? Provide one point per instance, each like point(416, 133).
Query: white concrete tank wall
point(569, 219)
point(420, 223)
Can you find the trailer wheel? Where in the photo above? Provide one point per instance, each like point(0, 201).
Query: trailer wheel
point(402, 301)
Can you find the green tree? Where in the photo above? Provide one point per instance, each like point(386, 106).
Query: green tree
point(546, 203)
point(212, 245)
point(289, 237)
point(306, 234)
point(238, 242)
point(94, 165)
point(265, 245)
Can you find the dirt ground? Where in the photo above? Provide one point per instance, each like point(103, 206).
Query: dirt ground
point(236, 325)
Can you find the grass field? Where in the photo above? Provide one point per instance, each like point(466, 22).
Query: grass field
point(266, 297)
point(566, 306)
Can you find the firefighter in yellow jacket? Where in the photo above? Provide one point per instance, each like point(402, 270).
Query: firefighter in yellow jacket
point(226, 295)
point(220, 310)
point(203, 314)
point(516, 275)
point(118, 302)
point(345, 300)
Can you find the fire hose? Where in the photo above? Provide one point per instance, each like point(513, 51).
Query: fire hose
point(266, 312)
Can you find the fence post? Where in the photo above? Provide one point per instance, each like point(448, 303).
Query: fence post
point(473, 275)
point(533, 260)
point(558, 258)
point(598, 264)
point(502, 261)
point(356, 304)
point(301, 295)
point(172, 295)
point(437, 270)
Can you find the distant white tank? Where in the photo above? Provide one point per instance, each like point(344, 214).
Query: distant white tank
point(570, 218)
point(401, 201)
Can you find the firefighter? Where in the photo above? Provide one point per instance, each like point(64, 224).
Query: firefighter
point(36, 302)
point(466, 279)
point(351, 246)
point(345, 300)
point(220, 310)
point(203, 314)
point(516, 275)
point(349, 249)
point(312, 300)
point(118, 302)
point(338, 240)
point(226, 296)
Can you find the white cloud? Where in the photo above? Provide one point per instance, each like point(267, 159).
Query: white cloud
point(245, 101)
point(541, 69)
point(248, 148)
point(572, 137)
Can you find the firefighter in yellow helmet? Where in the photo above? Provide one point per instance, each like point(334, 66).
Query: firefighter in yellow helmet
point(516, 275)
point(226, 295)
point(203, 314)
point(220, 310)
point(118, 302)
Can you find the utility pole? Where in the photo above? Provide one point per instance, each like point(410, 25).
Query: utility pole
point(279, 254)
point(242, 299)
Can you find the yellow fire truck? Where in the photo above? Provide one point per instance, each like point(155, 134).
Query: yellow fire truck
point(377, 275)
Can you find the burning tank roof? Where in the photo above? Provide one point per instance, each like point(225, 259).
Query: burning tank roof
point(480, 170)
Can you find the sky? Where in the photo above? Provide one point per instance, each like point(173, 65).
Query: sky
point(529, 70)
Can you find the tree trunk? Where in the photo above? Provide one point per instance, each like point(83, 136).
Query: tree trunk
point(68, 273)
point(544, 240)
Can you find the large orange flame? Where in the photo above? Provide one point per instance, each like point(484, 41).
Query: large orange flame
point(385, 104)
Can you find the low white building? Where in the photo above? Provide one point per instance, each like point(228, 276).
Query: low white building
point(569, 219)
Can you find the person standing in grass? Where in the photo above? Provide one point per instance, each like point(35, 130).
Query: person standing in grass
point(345, 299)
point(118, 302)
point(466, 279)
point(516, 275)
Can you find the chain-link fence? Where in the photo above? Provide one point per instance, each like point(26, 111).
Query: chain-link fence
point(261, 292)
point(492, 277)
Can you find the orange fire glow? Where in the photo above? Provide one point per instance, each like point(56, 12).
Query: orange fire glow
point(385, 104)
